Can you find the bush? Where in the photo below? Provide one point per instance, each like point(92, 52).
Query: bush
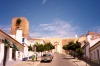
point(29, 48)
point(79, 52)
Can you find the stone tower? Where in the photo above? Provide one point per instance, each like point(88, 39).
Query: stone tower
point(20, 23)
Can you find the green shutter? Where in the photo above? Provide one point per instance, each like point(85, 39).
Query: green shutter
point(7, 42)
point(15, 47)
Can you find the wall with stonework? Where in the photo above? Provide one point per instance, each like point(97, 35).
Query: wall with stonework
point(24, 25)
point(59, 42)
point(65, 42)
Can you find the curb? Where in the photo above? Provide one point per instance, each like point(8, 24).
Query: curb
point(74, 63)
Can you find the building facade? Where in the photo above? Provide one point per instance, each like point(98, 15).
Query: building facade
point(14, 47)
point(95, 53)
point(87, 42)
point(10, 49)
point(20, 23)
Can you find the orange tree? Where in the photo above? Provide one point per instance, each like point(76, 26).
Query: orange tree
point(48, 46)
point(39, 48)
point(74, 47)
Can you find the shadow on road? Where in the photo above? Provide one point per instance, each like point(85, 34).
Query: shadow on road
point(45, 61)
point(68, 58)
point(32, 61)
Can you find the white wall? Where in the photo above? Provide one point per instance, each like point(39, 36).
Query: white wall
point(25, 52)
point(13, 36)
point(87, 51)
point(9, 54)
point(19, 35)
point(1, 52)
point(93, 54)
point(92, 42)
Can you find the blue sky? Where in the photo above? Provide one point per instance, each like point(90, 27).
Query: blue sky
point(53, 18)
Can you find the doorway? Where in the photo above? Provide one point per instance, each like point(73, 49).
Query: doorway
point(5, 55)
point(98, 58)
point(13, 54)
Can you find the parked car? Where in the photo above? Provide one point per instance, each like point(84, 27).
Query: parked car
point(51, 54)
point(46, 57)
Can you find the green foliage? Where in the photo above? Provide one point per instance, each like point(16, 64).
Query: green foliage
point(78, 44)
point(79, 52)
point(48, 46)
point(75, 47)
point(30, 48)
point(72, 46)
point(65, 47)
point(40, 48)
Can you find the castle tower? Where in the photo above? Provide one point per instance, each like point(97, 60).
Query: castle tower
point(20, 23)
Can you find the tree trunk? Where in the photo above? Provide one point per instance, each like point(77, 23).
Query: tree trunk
point(41, 54)
point(74, 55)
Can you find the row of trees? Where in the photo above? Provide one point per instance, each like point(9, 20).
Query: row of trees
point(41, 47)
point(74, 49)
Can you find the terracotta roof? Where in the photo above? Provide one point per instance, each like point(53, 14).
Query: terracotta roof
point(90, 33)
point(94, 33)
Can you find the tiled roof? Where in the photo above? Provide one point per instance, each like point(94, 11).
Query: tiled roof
point(94, 33)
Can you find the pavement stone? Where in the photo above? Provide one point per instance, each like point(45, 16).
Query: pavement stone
point(27, 63)
point(81, 62)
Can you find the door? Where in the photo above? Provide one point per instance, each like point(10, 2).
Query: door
point(13, 54)
point(98, 56)
point(5, 55)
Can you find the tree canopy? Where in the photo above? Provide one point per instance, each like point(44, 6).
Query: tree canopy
point(44, 47)
point(30, 48)
point(48, 46)
point(40, 48)
point(74, 46)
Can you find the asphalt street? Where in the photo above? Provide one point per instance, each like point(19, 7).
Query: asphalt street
point(58, 60)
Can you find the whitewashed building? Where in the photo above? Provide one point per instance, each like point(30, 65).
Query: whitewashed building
point(95, 53)
point(88, 42)
point(10, 49)
point(14, 47)
point(22, 40)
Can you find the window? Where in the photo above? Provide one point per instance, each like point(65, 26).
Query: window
point(23, 40)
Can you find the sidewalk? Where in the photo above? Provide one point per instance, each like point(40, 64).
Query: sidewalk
point(27, 63)
point(81, 62)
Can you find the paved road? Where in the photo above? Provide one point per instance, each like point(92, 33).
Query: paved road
point(59, 60)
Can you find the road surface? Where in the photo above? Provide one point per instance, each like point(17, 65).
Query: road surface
point(58, 60)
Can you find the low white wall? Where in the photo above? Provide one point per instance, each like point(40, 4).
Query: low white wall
point(1, 53)
point(87, 52)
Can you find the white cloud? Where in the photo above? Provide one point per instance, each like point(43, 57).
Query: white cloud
point(44, 1)
point(57, 28)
